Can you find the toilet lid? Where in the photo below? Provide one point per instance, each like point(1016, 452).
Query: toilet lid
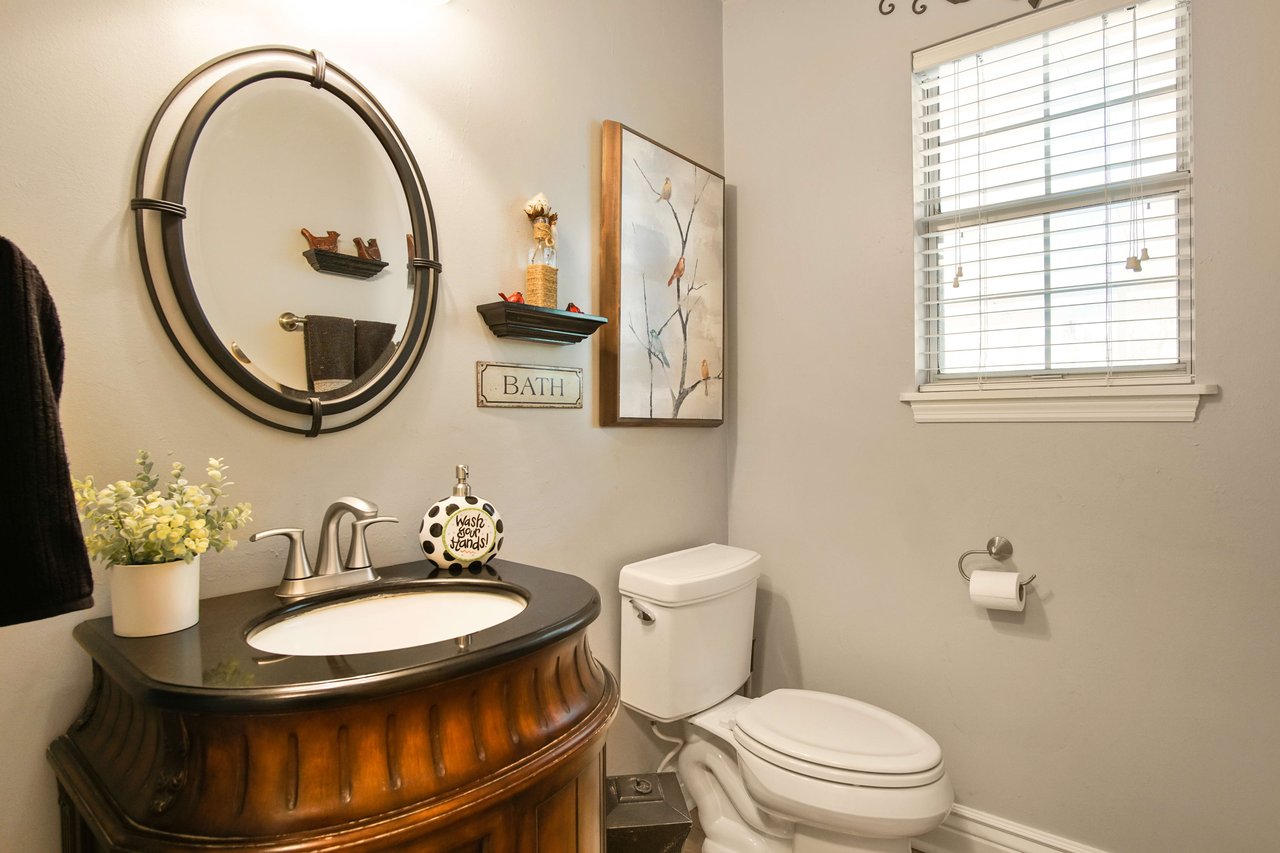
point(837, 732)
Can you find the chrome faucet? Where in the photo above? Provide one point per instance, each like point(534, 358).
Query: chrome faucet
point(327, 560)
point(330, 572)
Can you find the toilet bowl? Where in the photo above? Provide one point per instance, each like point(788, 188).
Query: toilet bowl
point(794, 771)
point(828, 774)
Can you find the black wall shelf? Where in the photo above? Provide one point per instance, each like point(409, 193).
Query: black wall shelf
point(545, 325)
point(337, 263)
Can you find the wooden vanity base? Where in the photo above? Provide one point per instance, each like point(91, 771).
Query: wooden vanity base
point(506, 759)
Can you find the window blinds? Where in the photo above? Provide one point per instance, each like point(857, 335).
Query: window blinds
point(1053, 189)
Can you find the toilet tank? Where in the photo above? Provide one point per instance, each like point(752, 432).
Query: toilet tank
point(686, 629)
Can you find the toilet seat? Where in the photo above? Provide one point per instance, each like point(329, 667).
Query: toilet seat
point(836, 774)
point(869, 812)
point(837, 739)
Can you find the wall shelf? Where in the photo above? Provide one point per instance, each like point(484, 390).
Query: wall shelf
point(337, 263)
point(544, 325)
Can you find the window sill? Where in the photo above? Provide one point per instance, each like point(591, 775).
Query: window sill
point(1135, 403)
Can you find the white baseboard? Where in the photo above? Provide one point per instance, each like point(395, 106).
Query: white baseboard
point(968, 830)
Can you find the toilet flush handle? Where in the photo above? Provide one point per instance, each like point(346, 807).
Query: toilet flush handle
point(642, 613)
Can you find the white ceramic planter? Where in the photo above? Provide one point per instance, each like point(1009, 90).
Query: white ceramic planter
point(156, 598)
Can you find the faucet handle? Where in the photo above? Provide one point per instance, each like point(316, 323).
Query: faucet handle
point(358, 551)
point(296, 566)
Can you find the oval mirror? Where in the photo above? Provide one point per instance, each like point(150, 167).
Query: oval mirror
point(287, 239)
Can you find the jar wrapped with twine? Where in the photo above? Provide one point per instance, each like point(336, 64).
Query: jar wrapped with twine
point(540, 276)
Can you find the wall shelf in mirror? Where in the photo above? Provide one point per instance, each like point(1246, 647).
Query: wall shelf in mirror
point(526, 322)
point(336, 263)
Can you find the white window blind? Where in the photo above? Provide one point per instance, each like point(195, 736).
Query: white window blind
point(1053, 193)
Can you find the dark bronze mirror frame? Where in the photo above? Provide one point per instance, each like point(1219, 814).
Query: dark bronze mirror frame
point(162, 171)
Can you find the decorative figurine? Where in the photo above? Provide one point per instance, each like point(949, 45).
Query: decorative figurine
point(328, 243)
point(515, 297)
point(540, 275)
point(369, 251)
point(573, 308)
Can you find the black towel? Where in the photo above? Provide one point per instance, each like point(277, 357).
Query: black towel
point(330, 344)
point(373, 346)
point(45, 570)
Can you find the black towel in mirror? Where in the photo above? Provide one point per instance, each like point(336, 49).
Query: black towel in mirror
point(46, 568)
point(373, 345)
point(330, 344)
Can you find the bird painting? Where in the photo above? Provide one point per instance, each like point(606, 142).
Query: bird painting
point(678, 272)
point(663, 334)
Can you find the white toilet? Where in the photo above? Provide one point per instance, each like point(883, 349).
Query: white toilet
point(794, 771)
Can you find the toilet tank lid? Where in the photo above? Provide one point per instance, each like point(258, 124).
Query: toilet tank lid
point(693, 574)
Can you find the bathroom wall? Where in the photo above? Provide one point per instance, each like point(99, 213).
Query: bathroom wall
point(1131, 707)
point(499, 100)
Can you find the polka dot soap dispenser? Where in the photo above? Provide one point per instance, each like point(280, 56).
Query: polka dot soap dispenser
point(461, 533)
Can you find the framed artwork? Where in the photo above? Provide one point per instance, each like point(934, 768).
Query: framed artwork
point(662, 283)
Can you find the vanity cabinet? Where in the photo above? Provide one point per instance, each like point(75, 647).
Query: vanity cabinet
point(195, 741)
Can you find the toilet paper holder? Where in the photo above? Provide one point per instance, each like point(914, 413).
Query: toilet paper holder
point(998, 548)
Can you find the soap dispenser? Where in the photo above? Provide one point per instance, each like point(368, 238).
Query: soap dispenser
point(462, 532)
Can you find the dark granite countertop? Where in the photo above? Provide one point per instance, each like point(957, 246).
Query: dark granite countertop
point(210, 666)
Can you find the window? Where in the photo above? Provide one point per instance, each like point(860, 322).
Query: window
point(1053, 198)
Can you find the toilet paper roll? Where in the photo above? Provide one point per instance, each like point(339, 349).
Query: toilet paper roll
point(997, 591)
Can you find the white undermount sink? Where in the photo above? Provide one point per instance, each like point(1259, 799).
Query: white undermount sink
point(382, 620)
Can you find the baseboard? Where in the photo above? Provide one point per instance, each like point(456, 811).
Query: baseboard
point(967, 830)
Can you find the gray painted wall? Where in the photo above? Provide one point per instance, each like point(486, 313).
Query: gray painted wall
point(1131, 707)
point(499, 101)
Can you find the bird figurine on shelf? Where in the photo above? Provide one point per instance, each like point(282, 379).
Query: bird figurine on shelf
point(369, 251)
point(678, 272)
point(665, 195)
point(515, 297)
point(327, 243)
point(573, 308)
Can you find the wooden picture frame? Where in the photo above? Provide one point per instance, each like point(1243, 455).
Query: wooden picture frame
point(662, 280)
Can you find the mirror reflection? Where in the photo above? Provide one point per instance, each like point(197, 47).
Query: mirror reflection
point(276, 159)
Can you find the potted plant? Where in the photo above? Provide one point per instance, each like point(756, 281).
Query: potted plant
point(153, 536)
